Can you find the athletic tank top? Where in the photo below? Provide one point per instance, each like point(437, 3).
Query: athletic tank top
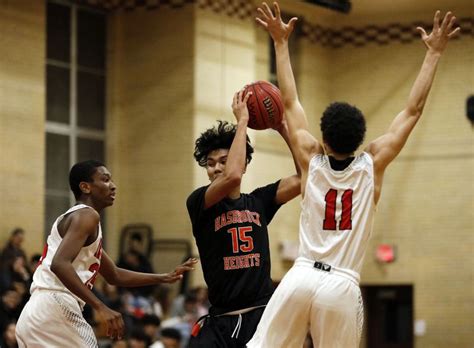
point(86, 264)
point(337, 212)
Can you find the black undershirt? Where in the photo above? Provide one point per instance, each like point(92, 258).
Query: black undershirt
point(340, 164)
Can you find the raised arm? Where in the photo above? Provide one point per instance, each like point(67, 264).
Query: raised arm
point(385, 148)
point(234, 162)
point(289, 187)
point(304, 144)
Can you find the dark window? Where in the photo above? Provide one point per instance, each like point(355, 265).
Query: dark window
point(91, 39)
point(90, 149)
point(57, 94)
point(58, 31)
point(75, 98)
point(90, 100)
point(57, 164)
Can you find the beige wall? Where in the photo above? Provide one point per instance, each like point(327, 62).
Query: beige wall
point(22, 114)
point(150, 119)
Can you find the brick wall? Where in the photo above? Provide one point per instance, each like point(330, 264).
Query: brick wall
point(22, 114)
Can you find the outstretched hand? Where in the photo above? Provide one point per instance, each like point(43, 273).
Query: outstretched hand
point(177, 274)
point(441, 33)
point(279, 30)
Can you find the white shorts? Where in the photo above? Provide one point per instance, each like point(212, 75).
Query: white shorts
point(327, 304)
point(53, 319)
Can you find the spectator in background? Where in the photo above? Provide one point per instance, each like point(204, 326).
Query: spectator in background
point(14, 273)
point(34, 260)
point(151, 327)
point(111, 296)
point(8, 339)
point(162, 300)
point(13, 247)
point(135, 308)
point(119, 344)
point(134, 259)
point(19, 278)
point(9, 253)
point(138, 339)
point(171, 338)
point(9, 308)
point(202, 300)
point(184, 321)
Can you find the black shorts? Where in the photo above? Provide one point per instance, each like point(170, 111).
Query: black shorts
point(223, 331)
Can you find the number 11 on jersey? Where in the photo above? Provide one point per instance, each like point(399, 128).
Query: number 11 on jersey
point(330, 222)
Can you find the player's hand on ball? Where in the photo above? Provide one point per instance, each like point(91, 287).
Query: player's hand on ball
point(239, 105)
point(113, 321)
point(177, 274)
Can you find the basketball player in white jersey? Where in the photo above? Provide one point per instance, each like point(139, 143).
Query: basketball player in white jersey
point(71, 260)
point(340, 191)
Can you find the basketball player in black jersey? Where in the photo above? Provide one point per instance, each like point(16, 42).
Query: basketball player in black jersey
point(231, 233)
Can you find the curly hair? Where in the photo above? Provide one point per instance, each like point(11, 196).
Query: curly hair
point(343, 127)
point(218, 137)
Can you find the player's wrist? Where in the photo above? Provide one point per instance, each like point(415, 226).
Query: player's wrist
point(97, 305)
point(434, 52)
point(243, 121)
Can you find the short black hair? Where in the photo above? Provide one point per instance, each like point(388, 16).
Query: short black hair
point(139, 335)
point(82, 171)
point(171, 333)
point(218, 137)
point(151, 319)
point(35, 257)
point(343, 127)
point(136, 236)
point(16, 231)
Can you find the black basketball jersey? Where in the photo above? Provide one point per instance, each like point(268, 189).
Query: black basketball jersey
point(232, 239)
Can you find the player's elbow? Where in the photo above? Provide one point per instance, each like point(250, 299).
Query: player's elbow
point(113, 277)
point(233, 179)
point(56, 266)
point(289, 102)
point(114, 280)
point(415, 109)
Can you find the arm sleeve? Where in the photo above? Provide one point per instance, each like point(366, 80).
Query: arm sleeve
point(195, 205)
point(267, 196)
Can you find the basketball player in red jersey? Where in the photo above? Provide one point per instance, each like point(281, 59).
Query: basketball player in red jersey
point(71, 260)
point(230, 228)
point(340, 192)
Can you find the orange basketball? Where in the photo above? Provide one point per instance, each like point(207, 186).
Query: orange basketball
point(265, 105)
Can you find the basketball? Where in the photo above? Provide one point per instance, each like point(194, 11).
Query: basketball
point(265, 105)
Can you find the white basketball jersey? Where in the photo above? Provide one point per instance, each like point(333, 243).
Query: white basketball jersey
point(86, 264)
point(337, 212)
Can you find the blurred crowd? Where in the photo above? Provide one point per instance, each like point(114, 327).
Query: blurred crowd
point(154, 316)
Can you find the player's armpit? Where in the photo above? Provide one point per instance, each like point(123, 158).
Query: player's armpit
point(288, 189)
point(306, 147)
